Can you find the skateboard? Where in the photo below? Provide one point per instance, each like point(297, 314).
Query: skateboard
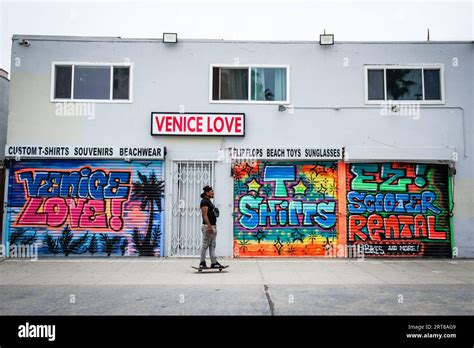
point(209, 268)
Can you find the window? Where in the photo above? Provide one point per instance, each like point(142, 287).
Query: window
point(249, 84)
point(87, 82)
point(231, 84)
point(423, 84)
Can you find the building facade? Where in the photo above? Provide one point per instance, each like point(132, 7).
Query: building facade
point(312, 150)
point(4, 92)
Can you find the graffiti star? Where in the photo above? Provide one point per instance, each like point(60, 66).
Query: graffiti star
point(318, 170)
point(300, 189)
point(243, 244)
point(291, 250)
point(239, 188)
point(259, 235)
point(278, 245)
point(331, 189)
point(248, 168)
point(254, 185)
point(297, 235)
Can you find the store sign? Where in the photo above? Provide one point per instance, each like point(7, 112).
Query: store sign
point(310, 153)
point(197, 124)
point(93, 152)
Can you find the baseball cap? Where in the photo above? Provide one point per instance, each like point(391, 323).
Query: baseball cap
point(207, 188)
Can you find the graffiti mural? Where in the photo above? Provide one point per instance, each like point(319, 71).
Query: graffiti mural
point(285, 209)
point(92, 208)
point(398, 209)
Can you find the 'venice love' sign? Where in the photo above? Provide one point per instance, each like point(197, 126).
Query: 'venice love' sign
point(197, 124)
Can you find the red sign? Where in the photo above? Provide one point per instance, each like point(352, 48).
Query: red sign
point(197, 124)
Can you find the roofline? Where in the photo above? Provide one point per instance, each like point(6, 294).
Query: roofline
point(160, 40)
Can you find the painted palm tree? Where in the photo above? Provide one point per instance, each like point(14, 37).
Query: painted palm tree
point(149, 190)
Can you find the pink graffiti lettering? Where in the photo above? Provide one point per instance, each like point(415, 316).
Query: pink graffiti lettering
point(82, 213)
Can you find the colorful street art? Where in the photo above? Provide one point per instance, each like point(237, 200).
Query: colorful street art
point(398, 209)
point(285, 209)
point(92, 208)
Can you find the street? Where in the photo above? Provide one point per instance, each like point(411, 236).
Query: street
point(168, 286)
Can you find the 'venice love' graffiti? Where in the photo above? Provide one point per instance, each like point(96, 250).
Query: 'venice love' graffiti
point(86, 207)
point(83, 198)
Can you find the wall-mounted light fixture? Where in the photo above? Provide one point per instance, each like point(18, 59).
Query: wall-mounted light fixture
point(326, 39)
point(170, 37)
point(281, 108)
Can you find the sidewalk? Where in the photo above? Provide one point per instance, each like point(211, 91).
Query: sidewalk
point(249, 286)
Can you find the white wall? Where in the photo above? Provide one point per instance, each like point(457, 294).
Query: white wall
point(168, 76)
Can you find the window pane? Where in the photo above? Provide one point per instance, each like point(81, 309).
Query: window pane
point(215, 83)
point(234, 84)
point(121, 83)
point(404, 84)
point(92, 82)
point(62, 85)
point(432, 84)
point(376, 88)
point(269, 84)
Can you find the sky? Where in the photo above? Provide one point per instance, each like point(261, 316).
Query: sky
point(382, 20)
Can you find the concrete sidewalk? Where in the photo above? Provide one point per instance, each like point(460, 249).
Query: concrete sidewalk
point(249, 286)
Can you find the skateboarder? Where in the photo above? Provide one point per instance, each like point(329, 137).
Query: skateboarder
point(209, 232)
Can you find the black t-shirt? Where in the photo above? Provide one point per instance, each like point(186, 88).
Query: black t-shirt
point(206, 202)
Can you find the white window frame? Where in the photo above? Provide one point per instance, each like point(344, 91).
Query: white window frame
point(249, 67)
point(384, 67)
point(109, 64)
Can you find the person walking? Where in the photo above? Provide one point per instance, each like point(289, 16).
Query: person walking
point(209, 232)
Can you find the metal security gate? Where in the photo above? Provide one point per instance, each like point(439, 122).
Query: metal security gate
point(91, 208)
point(189, 177)
point(275, 226)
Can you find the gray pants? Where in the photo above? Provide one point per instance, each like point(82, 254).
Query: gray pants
point(208, 241)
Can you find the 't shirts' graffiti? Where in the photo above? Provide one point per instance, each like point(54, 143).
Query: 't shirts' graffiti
point(277, 212)
point(285, 209)
point(83, 198)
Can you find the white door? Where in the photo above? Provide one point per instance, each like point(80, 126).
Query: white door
point(189, 177)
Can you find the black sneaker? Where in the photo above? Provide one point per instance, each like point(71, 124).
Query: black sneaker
point(216, 265)
point(203, 264)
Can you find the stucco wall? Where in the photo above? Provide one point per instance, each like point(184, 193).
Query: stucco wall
point(329, 81)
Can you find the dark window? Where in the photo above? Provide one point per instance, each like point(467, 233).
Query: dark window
point(121, 83)
point(432, 84)
point(234, 84)
point(215, 83)
point(376, 85)
point(404, 84)
point(62, 86)
point(92, 82)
